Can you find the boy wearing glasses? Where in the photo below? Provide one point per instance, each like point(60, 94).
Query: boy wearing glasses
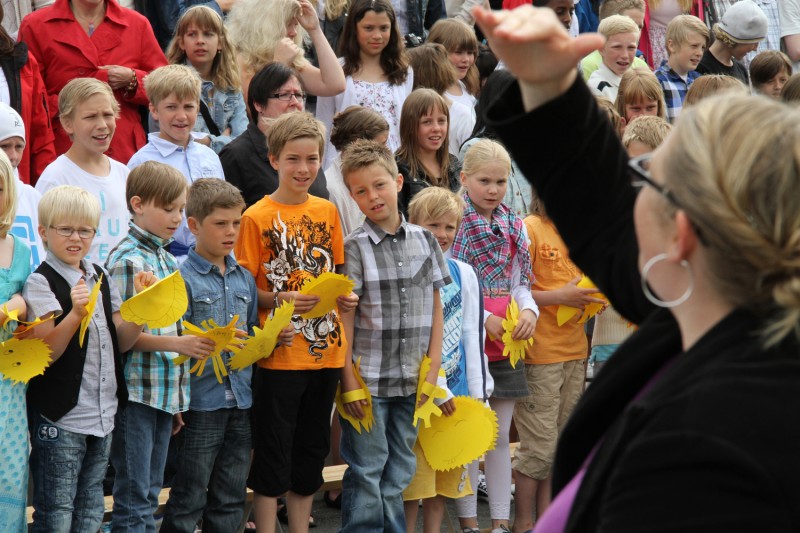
point(71, 407)
point(174, 93)
point(88, 113)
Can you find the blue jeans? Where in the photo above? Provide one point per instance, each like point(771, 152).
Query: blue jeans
point(68, 470)
point(381, 464)
point(138, 453)
point(213, 452)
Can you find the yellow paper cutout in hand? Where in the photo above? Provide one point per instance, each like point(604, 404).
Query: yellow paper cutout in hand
point(513, 349)
point(222, 337)
point(89, 309)
point(426, 410)
point(13, 316)
point(159, 305)
point(263, 341)
point(328, 286)
point(565, 312)
point(23, 359)
point(455, 441)
point(352, 396)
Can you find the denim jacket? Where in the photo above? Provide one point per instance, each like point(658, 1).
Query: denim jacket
point(220, 297)
point(228, 111)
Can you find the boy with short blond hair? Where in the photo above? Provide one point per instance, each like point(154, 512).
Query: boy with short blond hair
point(687, 38)
point(72, 405)
point(644, 134)
point(440, 211)
point(618, 53)
point(174, 93)
point(210, 481)
point(88, 110)
point(630, 8)
point(287, 238)
point(158, 389)
point(398, 270)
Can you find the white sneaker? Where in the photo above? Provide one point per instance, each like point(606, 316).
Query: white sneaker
point(501, 529)
point(483, 493)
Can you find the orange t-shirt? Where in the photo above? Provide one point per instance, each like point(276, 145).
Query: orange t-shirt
point(283, 246)
point(552, 269)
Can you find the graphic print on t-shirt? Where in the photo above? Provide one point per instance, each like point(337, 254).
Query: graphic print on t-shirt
point(304, 251)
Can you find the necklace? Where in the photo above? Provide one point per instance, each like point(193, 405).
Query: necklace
point(88, 21)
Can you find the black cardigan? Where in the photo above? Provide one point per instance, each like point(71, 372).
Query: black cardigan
point(245, 162)
point(713, 446)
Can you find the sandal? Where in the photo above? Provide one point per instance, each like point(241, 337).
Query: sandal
point(333, 503)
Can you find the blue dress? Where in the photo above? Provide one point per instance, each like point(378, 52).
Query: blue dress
point(14, 446)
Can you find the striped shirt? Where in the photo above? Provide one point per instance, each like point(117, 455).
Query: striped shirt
point(152, 378)
point(395, 276)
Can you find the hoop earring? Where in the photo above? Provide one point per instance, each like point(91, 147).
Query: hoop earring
point(655, 299)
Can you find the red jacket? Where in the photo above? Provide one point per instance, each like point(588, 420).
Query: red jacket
point(29, 98)
point(66, 52)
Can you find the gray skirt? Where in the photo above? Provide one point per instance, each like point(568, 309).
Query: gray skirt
point(509, 382)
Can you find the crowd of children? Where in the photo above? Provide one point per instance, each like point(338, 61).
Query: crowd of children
point(398, 183)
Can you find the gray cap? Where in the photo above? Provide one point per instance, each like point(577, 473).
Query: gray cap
point(744, 22)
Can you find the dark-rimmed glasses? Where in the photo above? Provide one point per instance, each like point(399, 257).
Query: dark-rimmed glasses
point(287, 97)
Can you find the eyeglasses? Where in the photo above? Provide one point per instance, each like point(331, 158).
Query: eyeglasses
point(286, 97)
point(639, 168)
point(83, 233)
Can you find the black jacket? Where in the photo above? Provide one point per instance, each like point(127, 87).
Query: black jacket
point(713, 446)
point(245, 161)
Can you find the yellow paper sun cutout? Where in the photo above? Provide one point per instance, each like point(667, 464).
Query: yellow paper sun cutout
point(23, 359)
point(352, 396)
point(263, 341)
point(89, 309)
point(328, 286)
point(427, 409)
point(565, 312)
point(159, 305)
point(513, 349)
point(223, 340)
point(455, 441)
point(13, 316)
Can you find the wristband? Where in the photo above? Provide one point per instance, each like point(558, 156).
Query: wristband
point(275, 300)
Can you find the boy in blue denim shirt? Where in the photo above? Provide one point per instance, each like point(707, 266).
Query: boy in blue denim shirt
point(214, 442)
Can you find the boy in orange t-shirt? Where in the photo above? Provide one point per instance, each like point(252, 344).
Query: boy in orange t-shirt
point(287, 238)
point(554, 366)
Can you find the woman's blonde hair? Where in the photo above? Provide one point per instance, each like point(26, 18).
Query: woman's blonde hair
point(256, 26)
point(711, 84)
point(484, 152)
point(419, 103)
point(456, 36)
point(639, 85)
point(8, 195)
point(734, 168)
point(224, 70)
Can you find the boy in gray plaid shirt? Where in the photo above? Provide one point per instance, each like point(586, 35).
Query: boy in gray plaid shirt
point(398, 269)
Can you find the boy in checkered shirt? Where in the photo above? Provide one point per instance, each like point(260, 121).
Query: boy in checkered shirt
point(687, 38)
point(398, 269)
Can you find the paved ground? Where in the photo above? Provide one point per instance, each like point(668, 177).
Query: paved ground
point(329, 520)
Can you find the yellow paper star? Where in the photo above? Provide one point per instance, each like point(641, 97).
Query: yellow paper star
point(222, 337)
point(23, 359)
point(427, 409)
point(22, 325)
point(565, 312)
point(263, 341)
point(455, 441)
point(513, 349)
point(159, 305)
point(89, 309)
point(328, 286)
point(352, 396)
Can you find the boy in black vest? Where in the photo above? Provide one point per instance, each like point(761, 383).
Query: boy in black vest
point(71, 407)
